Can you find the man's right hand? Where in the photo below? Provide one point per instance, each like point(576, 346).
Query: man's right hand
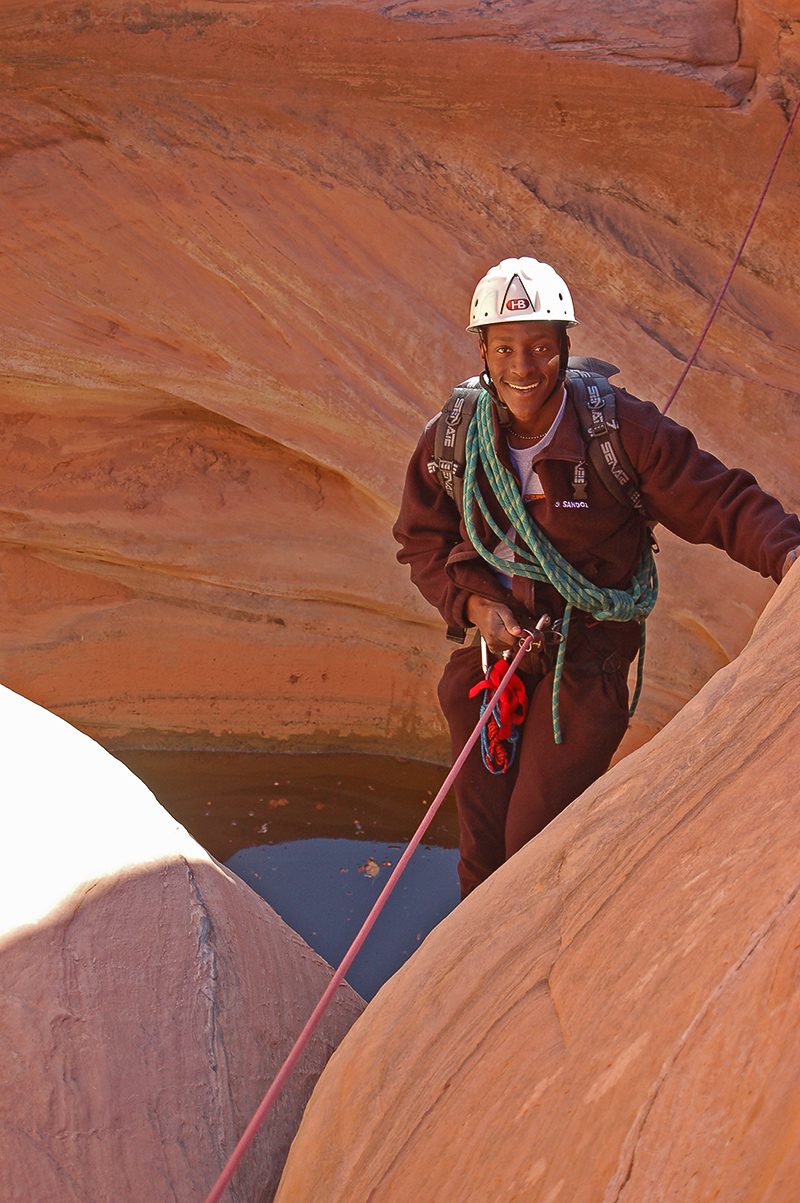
point(495, 622)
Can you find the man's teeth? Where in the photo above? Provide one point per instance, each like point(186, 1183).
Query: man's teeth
point(522, 388)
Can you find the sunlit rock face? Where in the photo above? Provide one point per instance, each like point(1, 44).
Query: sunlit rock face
point(613, 1014)
point(149, 997)
point(238, 246)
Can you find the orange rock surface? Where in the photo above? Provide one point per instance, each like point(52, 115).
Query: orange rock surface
point(613, 1015)
point(238, 241)
point(149, 996)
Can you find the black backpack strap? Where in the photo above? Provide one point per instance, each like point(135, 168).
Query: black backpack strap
point(596, 407)
point(450, 445)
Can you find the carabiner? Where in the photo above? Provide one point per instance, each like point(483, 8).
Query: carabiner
point(542, 634)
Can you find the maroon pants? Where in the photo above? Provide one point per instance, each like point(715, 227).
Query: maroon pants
point(498, 814)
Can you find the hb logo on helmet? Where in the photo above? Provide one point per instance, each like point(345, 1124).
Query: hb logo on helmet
point(517, 303)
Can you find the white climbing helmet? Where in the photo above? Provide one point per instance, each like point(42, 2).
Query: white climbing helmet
point(521, 290)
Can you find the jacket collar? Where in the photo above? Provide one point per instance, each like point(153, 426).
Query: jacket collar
point(567, 442)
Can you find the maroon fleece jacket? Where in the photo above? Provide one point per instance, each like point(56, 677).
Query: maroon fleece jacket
point(683, 487)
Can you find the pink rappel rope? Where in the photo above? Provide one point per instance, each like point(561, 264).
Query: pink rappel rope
point(736, 259)
point(322, 1006)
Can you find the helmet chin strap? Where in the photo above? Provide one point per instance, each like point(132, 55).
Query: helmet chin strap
point(563, 360)
point(503, 412)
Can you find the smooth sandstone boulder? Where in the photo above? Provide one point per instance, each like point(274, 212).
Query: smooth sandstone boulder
point(148, 995)
point(613, 1015)
point(238, 241)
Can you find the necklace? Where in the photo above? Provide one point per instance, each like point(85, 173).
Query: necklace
point(529, 438)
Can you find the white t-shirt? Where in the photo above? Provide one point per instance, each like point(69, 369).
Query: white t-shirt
point(530, 485)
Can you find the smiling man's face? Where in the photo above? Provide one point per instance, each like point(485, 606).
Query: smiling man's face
point(523, 360)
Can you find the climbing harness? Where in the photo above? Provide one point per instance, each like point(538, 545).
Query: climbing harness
point(531, 641)
point(537, 558)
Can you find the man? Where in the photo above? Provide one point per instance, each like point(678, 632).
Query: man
point(483, 574)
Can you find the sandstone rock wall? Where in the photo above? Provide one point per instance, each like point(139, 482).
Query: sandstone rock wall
point(238, 242)
point(149, 996)
point(613, 1014)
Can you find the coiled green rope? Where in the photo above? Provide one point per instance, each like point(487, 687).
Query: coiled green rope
point(539, 560)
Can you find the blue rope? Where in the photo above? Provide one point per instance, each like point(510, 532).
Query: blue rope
point(539, 560)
